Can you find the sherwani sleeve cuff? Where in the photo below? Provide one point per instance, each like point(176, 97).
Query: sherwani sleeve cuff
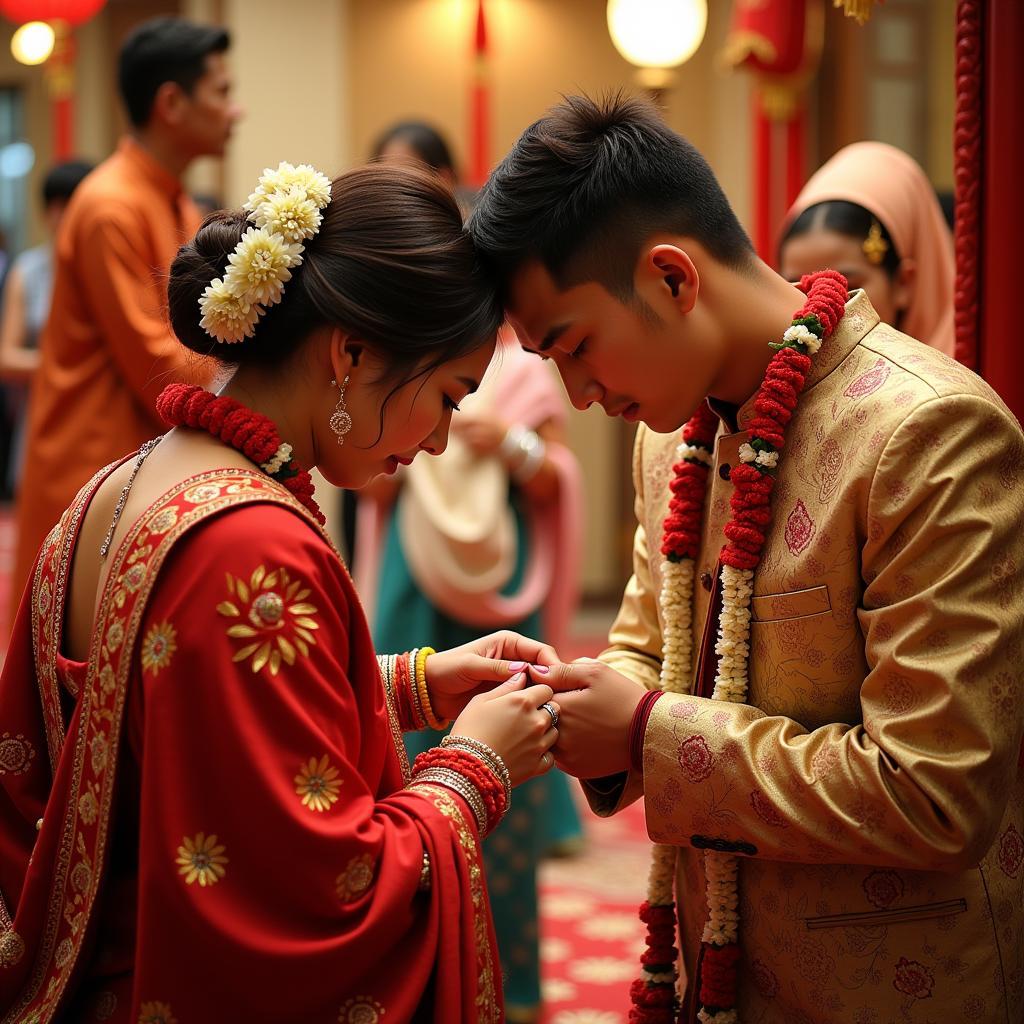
point(685, 776)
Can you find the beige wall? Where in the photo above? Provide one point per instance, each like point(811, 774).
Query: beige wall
point(290, 64)
point(942, 93)
point(412, 58)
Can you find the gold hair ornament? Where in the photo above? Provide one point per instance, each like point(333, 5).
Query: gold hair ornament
point(875, 246)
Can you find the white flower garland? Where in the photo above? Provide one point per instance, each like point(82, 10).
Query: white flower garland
point(731, 684)
point(285, 209)
point(281, 458)
point(806, 337)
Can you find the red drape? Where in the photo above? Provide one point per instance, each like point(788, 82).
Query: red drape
point(226, 829)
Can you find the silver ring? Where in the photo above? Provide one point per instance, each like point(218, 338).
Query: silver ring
point(552, 711)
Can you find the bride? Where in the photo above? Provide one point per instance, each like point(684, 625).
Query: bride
point(205, 809)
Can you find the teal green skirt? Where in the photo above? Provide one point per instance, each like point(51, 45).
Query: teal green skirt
point(543, 814)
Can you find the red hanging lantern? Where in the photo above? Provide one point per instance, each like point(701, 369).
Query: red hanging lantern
point(780, 42)
point(74, 12)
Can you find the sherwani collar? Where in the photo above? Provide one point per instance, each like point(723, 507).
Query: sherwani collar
point(859, 318)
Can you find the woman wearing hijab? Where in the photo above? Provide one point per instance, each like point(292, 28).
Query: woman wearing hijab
point(872, 214)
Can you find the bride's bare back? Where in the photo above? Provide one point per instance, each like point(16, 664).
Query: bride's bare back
point(179, 455)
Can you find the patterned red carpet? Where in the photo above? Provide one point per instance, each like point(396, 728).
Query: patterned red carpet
point(591, 937)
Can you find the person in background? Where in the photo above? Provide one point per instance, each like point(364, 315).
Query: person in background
point(26, 307)
point(207, 203)
point(416, 140)
point(107, 349)
point(871, 214)
point(485, 537)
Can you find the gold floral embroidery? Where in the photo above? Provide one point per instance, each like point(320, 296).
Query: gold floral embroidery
point(158, 647)
point(140, 553)
point(318, 784)
point(361, 1010)
point(356, 878)
point(115, 635)
point(201, 859)
point(88, 808)
point(12, 948)
point(201, 493)
point(164, 520)
point(98, 750)
point(272, 617)
point(81, 876)
point(156, 1013)
point(62, 956)
point(134, 577)
point(107, 680)
point(16, 754)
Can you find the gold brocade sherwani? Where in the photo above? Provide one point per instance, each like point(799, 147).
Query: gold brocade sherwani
point(877, 769)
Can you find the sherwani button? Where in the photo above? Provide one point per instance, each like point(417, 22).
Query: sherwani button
point(705, 580)
point(724, 470)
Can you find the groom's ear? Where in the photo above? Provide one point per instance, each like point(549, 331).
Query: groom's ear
point(668, 272)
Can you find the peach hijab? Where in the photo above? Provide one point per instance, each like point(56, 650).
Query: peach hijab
point(890, 184)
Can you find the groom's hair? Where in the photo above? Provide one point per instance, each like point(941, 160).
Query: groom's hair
point(585, 186)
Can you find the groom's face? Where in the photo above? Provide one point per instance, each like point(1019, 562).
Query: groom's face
point(627, 357)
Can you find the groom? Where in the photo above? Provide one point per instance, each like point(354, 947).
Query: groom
point(836, 596)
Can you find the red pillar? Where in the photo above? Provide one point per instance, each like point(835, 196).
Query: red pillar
point(1002, 359)
point(60, 75)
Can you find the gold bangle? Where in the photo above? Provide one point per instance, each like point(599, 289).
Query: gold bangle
point(414, 692)
point(421, 688)
point(459, 784)
point(485, 754)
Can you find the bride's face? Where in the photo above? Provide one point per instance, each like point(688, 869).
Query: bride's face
point(391, 425)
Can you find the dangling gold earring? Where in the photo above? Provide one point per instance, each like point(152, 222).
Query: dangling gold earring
point(341, 421)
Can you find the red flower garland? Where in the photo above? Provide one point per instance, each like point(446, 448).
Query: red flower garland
point(654, 1002)
point(251, 433)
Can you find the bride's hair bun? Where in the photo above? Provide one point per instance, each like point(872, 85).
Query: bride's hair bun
point(198, 262)
point(392, 264)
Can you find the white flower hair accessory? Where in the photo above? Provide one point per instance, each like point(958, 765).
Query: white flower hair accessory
point(286, 211)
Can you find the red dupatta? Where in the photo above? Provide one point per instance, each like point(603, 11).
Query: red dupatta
point(432, 952)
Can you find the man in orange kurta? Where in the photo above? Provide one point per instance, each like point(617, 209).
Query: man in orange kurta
point(108, 350)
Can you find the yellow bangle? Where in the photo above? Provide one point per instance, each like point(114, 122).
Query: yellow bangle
point(421, 688)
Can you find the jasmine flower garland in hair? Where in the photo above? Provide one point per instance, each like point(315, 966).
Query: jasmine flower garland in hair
point(286, 210)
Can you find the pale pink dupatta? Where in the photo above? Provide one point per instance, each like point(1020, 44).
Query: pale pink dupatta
point(890, 184)
point(526, 393)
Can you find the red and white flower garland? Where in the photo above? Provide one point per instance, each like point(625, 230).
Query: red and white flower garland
point(251, 433)
point(654, 993)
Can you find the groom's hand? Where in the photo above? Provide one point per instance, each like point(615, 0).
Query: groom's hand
point(596, 706)
point(454, 677)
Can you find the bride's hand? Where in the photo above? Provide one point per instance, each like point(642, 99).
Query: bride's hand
point(454, 677)
point(511, 720)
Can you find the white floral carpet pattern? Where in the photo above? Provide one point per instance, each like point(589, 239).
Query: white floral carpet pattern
point(591, 937)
